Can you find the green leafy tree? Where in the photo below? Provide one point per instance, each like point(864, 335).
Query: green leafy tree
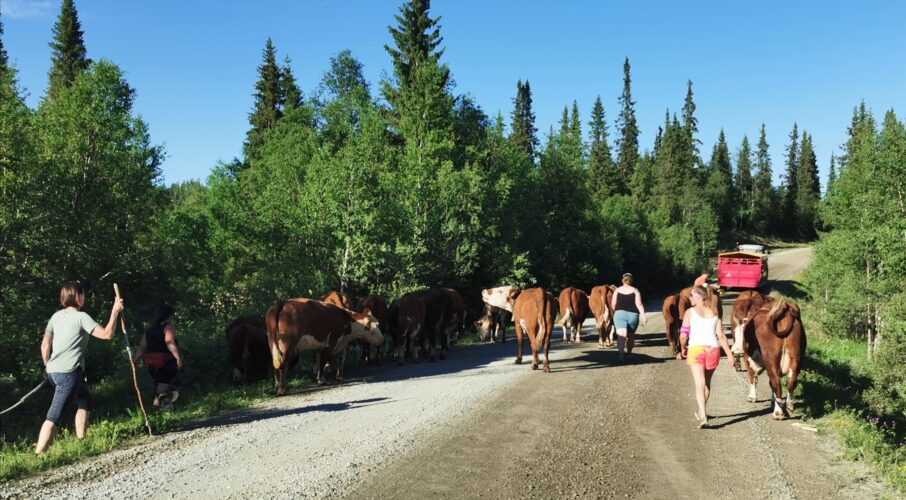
point(604, 178)
point(628, 142)
point(745, 187)
point(269, 99)
point(68, 55)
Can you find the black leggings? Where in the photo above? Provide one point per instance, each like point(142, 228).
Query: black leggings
point(68, 387)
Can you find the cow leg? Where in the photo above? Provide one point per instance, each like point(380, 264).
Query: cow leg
point(753, 369)
point(792, 375)
point(340, 360)
point(565, 331)
point(520, 331)
point(547, 348)
point(321, 358)
point(414, 347)
point(776, 389)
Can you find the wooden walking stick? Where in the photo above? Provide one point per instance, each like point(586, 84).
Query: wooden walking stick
point(138, 393)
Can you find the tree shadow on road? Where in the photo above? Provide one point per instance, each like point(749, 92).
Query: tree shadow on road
point(788, 288)
point(255, 415)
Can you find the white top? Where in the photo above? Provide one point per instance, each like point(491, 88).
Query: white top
point(702, 330)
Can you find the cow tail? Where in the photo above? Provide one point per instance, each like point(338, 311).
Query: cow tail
point(780, 309)
point(272, 321)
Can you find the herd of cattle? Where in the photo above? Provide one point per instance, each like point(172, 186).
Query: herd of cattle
point(767, 332)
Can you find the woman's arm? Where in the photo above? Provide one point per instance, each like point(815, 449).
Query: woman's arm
point(613, 300)
point(684, 330)
point(719, 330)
point(107, 332)
point(170, 340)
point(640, 307)
point(142, 345)
point(46, 345)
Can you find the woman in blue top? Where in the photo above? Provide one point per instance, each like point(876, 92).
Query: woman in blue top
point(63, 354)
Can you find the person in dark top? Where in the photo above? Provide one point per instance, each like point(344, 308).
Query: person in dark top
point(161, 355)
point(628, 310)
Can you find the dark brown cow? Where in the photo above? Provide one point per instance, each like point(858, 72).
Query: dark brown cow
point(438, 315)
point(246, 338)
point(534, 312)
point(310, 325)
point(599, 303)
point(775, 342)
point(573, 310)
point(456, 321)
point(407, 322)
point(338, 360)
point(673, 321)
point(493, 323)
point(378, 307)
point(747, 304)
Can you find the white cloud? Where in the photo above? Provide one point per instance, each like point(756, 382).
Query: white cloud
point(25, 8)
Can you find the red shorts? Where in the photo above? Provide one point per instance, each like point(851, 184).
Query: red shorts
point(704, 355)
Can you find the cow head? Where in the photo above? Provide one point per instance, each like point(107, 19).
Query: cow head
point(367, 327)
point(485, 325)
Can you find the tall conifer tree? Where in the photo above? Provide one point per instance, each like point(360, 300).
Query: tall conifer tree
point(690, 123)
point(808, 189)
point(790, 183)
point(628, 142)
point(4, 59)
point(291, 95)
point(744, 186)
point(268, 101)
point(524, 134)
point(762, 193)
point(68, 54)
point(604, 177)
point(719, 187)
point(831, 175)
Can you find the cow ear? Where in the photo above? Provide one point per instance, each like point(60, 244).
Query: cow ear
point(512, 295)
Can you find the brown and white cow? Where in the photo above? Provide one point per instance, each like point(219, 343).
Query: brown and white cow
point(378, 307)
point(310, 325)
point(599, 303)
point(775, 342)
point(573, 310)
point(407, 323)
point(338, 360)
point(246, 338)
point(747, 304)
point(534, 312)
point(339, 299)
point(441, 319)
point(673, 321)
point(493, 323)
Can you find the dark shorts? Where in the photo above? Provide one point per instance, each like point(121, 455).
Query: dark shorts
point(68, 387)
point(166, 374)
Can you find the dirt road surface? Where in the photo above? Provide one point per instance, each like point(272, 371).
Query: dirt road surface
point(476, 425)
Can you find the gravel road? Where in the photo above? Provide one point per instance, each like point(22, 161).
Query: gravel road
point(476, 425)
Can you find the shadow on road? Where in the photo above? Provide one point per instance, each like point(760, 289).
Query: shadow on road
point(247, 416)
point(740, 417)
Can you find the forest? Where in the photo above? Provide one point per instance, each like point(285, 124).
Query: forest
point(391, 186)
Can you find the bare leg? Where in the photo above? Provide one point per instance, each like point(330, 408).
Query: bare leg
point(45, 437)
point(698, 376)
point(708, 375)
point(81, 423)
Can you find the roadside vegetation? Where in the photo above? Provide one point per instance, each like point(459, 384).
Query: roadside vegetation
point(375, 187)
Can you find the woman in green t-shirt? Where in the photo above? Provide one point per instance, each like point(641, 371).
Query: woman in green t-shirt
point(63, 354)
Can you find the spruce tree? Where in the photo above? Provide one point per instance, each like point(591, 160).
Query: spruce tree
point(68, 54)
point(719, 185)
point(744, 186)
point(523, 133)
point(831, 176)
point(690, 123)
point(4, 60)
point(291, 95)
point(790, 183)
point(268, 101)
point(763, 215)
point(808, 190)
point(628, 142)
point(604, 177)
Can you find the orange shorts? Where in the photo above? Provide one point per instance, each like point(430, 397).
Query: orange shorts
point(704, 355)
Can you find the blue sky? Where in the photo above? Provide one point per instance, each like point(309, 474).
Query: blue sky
point(193, 63)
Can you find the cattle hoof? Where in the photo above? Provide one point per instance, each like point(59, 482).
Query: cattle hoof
point(779, 416)
point(751, 399)
point(547, 369)
point(789, 407)
point(534, 366)
point(679, 356)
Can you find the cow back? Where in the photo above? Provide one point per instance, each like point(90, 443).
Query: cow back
point(339, 299)
point(378, 307)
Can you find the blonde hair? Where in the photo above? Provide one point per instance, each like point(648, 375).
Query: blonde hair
point(707, 296)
